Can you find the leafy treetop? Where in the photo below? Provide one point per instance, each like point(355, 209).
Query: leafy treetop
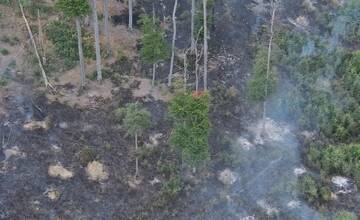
point(153, 45)
point(74, 8)
point(192, 126)
point(135, 118)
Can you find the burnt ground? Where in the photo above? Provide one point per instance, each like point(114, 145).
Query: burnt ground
point(94, 134)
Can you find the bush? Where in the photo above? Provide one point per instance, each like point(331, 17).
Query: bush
point(86, 155)
point(259, 83)
point(4, 51)
point(345, 215)
point(3, 82)
point(342, 160)
point(172, 187)
point(313, 191)
point(192, 126)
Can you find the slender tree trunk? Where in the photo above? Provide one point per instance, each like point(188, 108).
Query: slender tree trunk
point(196, 69)
point(130, 15)
point(205, 45)
point(81, 53)
point(43, 74)
point(41, 38)
point(106, 26)
point(269, 60)
point(97, 41)
point(137, 159)
point(173, 43)
point(185, 70)
point(193, 10)
point(153, 75)
point(153, 12)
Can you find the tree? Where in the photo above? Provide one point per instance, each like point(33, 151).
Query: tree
point(205, 44)
point(153, 45)
point(135, 120)
point(43, 74)
point(273, 6)
point(130, 14)
point(173, 43)
point(261, 85)
point(76, 9)
point(193, 10)
point(192, 126)
point(97, 40)
point(106, 26)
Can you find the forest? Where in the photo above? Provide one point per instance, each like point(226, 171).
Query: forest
point(180, 109)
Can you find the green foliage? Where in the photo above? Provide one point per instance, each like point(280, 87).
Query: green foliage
point(345, 215)
point(153, 45)
point(135, 119)
point(86, 155)
point(3, 81)
point(351, 75)
point(258, 84)
point(64, 38)
point(4, 51)
point(351, 18)
point(5, 2)
point(73, 8)
point(192, 126)
point(312, 191)
point(172, 187)
point(343, 160)
point(199, 19)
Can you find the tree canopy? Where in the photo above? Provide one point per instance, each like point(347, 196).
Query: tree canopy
point(192, 126)
point(74, 8)
point(153, 45)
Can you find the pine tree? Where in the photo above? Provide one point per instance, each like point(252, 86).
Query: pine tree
point(76, 9)
point(153, 45)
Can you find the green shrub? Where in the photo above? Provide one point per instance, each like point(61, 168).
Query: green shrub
point(345, 215)
point(259, 86)
point(3, 82)
point(314, 192)
point(172, 187)
point(86, 155)
point(4, 51)
point(343, 160)
point(192, 126)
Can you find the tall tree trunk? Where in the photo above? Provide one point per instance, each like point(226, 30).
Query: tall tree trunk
point(97, 41)
point(153, 13)
point(130, 14)
point(41, 38)
point(106, 26)
point(205, 45)
point(81, 53)
point(153, 75)
point(43, 74)
point(193, 10)
point(268, 67)
point(173, 43)
point(185, 70)
point(136, 159)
